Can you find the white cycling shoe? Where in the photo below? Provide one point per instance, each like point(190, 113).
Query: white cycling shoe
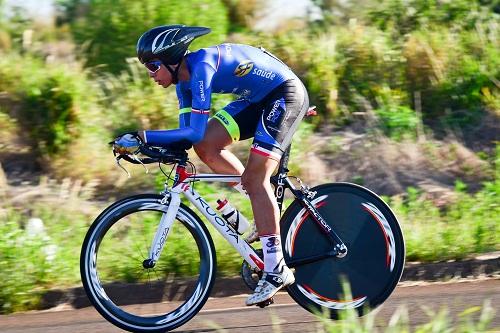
point(269, 285)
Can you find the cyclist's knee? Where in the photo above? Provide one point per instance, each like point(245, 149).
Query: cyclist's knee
point(207, 150)
point(202, 150)
point(251, 184)
point(254, 180)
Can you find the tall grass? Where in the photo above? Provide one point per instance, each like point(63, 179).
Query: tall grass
point(351, 68)
point(474, 319)
point(33, 260)
point(468, 225)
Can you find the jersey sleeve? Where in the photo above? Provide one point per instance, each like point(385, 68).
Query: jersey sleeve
point(201, 86)
point(184, 96)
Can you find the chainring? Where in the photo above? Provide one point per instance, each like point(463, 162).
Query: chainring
point(250, 276)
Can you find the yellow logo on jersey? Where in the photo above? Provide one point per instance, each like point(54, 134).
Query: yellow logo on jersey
point(243, 68)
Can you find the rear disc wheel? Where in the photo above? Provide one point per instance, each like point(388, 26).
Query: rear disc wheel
point(370, 271)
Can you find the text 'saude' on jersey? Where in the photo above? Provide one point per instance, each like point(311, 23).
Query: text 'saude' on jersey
point(243, 70)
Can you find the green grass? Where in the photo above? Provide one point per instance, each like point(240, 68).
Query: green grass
point(469, 225)
point(474, 319)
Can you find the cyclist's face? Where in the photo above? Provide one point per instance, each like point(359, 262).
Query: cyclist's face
point(162, 77)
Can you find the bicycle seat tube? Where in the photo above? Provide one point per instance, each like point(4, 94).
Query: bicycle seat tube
point(281, 181)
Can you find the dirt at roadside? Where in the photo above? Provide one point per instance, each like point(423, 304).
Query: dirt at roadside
point(389, 167)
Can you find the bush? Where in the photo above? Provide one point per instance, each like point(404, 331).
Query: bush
point(469, 225)
point(368, 65)
point(398, 122)
point(454, 90)
point(109, 36)
point(56, 110)
point(401, 17)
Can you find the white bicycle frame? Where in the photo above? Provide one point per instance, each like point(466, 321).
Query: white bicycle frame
point(168, 218)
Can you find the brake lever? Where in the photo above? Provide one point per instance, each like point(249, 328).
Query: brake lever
point(117, 159)
point(134, 156)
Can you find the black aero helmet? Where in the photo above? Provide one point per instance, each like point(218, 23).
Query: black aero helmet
point(168, 43)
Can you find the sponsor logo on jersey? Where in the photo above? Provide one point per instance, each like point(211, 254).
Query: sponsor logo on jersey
point(263, 73)
point(243, 68)
point(202, 90)
point(245, 93)
point(222, 118)
point(228, 50)
point(275, 112)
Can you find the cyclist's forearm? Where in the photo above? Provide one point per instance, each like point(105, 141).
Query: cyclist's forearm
point(184, 119)
point(193, 133)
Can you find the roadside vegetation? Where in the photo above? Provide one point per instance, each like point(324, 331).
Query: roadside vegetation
point(474, 319)
point(408, 94)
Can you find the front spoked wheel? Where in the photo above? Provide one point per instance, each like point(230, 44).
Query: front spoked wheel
point(133, 295)
point(370, 271)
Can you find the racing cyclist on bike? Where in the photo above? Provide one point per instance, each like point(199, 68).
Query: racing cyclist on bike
point(270, 105)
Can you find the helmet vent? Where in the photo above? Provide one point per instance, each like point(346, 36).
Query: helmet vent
point(158, 48)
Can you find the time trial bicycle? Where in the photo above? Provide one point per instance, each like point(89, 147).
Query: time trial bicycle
point(331, 234)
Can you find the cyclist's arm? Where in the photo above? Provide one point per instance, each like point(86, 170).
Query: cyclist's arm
point(194, 131)
point(185, 100)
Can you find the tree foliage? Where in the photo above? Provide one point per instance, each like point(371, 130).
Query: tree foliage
point(108, 30)
point(404, 16)
point(242, 13)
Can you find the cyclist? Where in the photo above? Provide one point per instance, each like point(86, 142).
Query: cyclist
point(271, 103)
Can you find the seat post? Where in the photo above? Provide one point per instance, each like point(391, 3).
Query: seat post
point(279, 179)
point(283, 165)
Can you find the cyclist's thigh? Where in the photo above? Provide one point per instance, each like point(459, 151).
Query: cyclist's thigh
point(239, 118)
point(282, 112)
point(216, 136)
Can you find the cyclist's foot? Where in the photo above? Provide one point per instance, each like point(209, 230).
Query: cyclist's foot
point(269, 285)
point(253, 235)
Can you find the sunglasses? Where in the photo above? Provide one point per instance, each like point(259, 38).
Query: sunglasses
point(153, 66)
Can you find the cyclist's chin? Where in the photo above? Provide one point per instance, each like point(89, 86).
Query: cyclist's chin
point(164, 84)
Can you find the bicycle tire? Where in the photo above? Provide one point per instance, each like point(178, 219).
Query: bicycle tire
point(374, 261)
point(123, 225)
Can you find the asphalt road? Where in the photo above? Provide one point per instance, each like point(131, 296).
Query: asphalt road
point(229, 314)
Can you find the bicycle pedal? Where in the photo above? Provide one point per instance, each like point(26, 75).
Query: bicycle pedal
point(266, 303)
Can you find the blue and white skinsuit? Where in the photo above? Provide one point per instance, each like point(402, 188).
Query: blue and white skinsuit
point(271, 99)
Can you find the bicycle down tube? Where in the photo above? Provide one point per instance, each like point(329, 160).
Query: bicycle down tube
point(184, 187)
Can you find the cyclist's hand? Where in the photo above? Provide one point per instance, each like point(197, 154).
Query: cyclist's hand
point(127, 144)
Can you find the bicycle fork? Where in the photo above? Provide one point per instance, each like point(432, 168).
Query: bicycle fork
point(164, 228)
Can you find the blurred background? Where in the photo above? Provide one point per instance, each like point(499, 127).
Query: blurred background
point(407, 91)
